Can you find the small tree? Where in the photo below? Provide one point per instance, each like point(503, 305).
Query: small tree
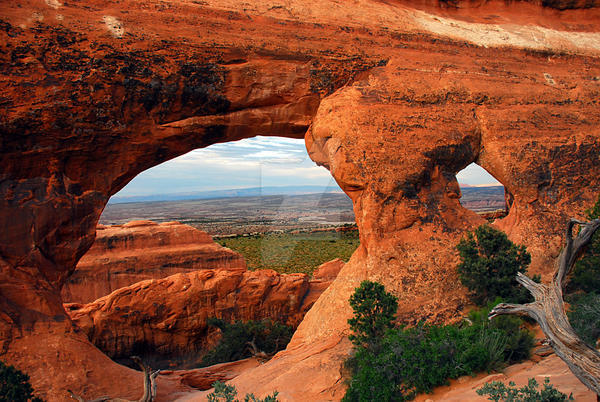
point(374, 311)
point(490, 263)
point(244, 339)
point(15, 386)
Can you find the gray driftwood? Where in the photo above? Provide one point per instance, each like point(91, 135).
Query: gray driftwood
point(548, 309)
point(149, 387)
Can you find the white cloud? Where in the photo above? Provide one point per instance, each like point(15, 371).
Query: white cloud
point(238, 144)
point(279, 141)
point(266, 161)
point(278, 157)
point(476, 175)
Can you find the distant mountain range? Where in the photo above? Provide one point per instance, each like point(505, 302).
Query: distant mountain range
point(244, 192)
point(236, 192)
point(462, 185)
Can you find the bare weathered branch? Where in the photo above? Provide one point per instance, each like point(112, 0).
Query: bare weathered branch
point(255, 351)
point(507, 308)
point(149, 387)
point(549, 312)
point(80, 399)
point(75, 396)
point(533, 287)
point(574, 247)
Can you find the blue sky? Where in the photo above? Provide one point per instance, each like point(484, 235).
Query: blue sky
point(252, 162)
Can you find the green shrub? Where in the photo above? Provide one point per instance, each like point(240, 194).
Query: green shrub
point(490, 263)
point(584, 316)
point(498, 391)
point(408, 361)
point(519, 341)
point(227, 393)
point(586, 272)
point(268, 336)
point(415, 360)
point(15, 386)
point(370, 380)
point(374, 311)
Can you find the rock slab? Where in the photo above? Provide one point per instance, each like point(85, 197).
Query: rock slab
point(125, 254)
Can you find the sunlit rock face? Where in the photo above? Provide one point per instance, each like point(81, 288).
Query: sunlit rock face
point(125, 254)
point(168, 317)
point(393, 97)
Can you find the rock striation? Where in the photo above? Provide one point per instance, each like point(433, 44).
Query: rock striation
point(168, 317)
point(125, 254)
point(393, 97)
point(203, 378)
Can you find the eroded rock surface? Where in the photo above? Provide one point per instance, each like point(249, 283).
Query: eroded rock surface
point(168, 317)
point(329, 270)
point(204, 378)
point(398, 97)
point(125, 254)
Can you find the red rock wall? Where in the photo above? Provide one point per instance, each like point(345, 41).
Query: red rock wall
point(169, 316)
point(140, 250)
point(399, 97)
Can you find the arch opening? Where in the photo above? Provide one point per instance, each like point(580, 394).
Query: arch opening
point(271, 171)
point(261, 197)
point(482, 193)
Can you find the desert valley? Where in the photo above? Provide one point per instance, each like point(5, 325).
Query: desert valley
point(377, 290)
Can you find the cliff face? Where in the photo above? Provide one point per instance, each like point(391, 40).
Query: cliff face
point(399, 96)
point(149, 288)
point(140, 250)
point(168, 317)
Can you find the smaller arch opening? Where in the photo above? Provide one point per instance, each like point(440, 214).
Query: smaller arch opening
point(482, 193)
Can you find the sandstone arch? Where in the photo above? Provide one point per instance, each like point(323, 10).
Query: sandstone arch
point(393, 106)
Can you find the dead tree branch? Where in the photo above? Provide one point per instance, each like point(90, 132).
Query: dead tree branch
point(548, 309)
point(149, 387)
point(255, 351)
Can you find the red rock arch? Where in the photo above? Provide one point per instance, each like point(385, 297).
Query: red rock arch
point(84, 109)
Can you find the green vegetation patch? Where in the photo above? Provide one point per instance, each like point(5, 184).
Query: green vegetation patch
point(396, 364)
point(584, 316)
point(498, 391)
point(240, 340)
point(586, 273)
point(289, 252)
point(583, 288)
point(489, 266)
point(15, 386)
point(227, 393)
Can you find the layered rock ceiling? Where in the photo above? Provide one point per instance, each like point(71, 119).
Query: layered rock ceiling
point(394, 98)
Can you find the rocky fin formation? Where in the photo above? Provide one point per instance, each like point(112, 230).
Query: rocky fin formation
point(168, 317)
